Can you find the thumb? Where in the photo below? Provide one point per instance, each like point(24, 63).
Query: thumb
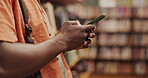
point(88, 27)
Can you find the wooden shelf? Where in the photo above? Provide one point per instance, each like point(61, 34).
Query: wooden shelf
point(85, 75)
point(132, 46)
point(104, 32)
point(131, 35)
point(127, 33)
point(98, 75)
point(118, 60)
point(117, 76)
point(118, 18)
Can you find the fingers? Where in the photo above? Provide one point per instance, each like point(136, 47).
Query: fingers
point(78, 22)
point(91, 35)
point(88, 28)
point(86, 43)
point(86, 46)
point(85, 27)
point(73, 22)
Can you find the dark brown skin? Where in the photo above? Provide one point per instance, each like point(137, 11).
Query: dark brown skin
point(19, 60)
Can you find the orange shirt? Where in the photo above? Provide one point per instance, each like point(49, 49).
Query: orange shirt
point(12, 30)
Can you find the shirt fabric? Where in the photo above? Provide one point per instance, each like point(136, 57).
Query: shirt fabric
point(12, 29)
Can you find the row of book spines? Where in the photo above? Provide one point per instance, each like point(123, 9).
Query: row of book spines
point(124, 68)
point(123, 12)
point(122, 40)
point(137, 68)
point(105, 53)
point(129, 3)
point(89, 12)
point(124, 25)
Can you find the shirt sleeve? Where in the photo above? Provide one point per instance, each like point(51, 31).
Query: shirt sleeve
point(7, 22)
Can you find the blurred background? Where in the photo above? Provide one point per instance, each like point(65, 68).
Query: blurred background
point(120, 48)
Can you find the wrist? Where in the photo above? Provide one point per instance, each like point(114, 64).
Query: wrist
point(59, 40)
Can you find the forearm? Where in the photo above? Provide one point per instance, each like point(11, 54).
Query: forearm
point(18, 59)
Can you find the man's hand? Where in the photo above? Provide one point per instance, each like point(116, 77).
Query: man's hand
point(75, 35)
point(29, 58)
point(91, 34)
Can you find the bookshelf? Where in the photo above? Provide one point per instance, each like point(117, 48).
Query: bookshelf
point(122, 40)
point(120, 49)
point(121, 45)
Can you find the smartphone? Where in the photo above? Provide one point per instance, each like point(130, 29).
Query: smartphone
point(97, 19)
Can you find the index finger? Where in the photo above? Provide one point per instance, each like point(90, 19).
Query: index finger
point(74, 22)
point(71, 22)
point(78, 23)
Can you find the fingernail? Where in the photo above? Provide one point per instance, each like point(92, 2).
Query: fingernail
point(85, 43)
point(78, 22)
point(90, 35)
point(94, 29)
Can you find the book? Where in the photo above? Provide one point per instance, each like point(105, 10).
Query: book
point(114, 25)
point(125, 68)
point(140, 68)
point(113, 40)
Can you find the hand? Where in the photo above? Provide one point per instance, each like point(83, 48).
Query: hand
point(74, 34)
point(87, 42)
